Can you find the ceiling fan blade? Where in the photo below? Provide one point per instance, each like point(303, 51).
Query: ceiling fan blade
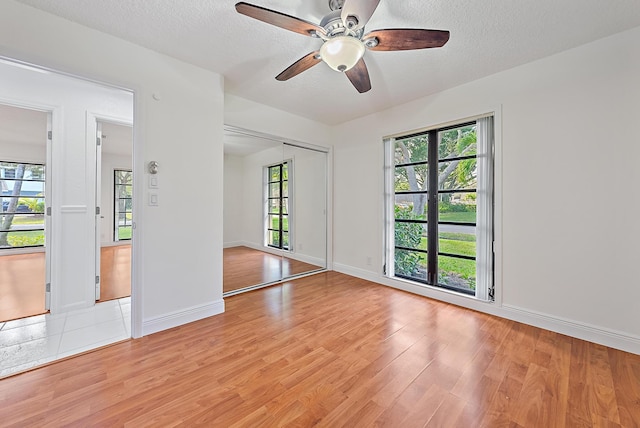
point(299, 66)
point(359, 76)
point(406, 39)
point(278, 19)
point(361, 10)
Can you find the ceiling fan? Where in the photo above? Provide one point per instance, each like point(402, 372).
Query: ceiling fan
point(344, 40)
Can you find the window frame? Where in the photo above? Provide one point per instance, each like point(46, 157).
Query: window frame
point(433, 204)
point(268, 229)
point(20, 214)
point(116, 201)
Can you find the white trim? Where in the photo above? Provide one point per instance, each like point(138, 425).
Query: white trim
point(269, 284)
point(329, 211)
point(21, 250)
point(263, 248)
point(603, 336)
point(305, 258)
point(76, 209)
point(280, 253)
point(116, 243)
point(185, 316)
point(288, 141)
point(591, 333)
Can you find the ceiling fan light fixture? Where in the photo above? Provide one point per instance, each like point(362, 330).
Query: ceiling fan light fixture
point(342, 53)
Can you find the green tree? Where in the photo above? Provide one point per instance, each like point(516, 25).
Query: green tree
point(453, 143)
point(36, 205)
point(407, 235)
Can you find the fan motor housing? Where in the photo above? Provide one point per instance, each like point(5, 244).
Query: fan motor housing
point(334, 26)
point(336, 4)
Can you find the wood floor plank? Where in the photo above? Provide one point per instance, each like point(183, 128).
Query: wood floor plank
point(115, 272)
point(22, 285)
point(244, 267)
point(22, 280)
point(331, 350)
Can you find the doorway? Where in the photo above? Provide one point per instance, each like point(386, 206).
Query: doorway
point(23, 226)
point(114, 197)
point(75, 322)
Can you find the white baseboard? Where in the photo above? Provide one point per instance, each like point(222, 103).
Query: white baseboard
point(591, 333)
point(178, 318)
point(24, 250)
point(603, 336)
point(305, 258)
point(262, 248)
point(288, 254)
point(232, 244)
point(115, 243)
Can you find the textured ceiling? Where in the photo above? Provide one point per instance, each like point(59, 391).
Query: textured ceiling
point(486, 37)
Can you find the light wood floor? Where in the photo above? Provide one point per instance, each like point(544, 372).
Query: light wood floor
point(115, 272)
point(331, 350)
point(22, 285)
point(22, 279)
point(245, 266)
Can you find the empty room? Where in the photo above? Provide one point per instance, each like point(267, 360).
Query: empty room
point(321, 213)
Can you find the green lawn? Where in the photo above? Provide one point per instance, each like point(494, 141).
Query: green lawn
point(36, 219)
point(124, 232)
point(275, 223)
point(26, 239)
point(454, 243)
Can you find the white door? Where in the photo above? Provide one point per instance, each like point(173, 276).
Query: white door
point(98, 202)
point(47, 217)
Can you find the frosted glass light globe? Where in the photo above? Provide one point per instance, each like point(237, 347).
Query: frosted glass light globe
point(342, 53)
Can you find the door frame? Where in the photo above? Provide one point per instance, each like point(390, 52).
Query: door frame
point(53, 127)
point(94, 163)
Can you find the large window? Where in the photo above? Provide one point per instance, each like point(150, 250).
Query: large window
point(123, 180)
point(440, 199)
point(277, 209)
point(22, 215)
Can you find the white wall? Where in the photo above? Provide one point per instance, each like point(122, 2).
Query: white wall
point(243, 113)
point(20, 152)
point(180, 125)
point(233, 199)
point(568, 209)
point(252, 195)
point(308, 206)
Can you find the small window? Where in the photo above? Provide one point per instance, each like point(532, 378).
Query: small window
point(123, 204)
point(23, 205)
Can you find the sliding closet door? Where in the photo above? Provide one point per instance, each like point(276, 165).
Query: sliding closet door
point(307, 211)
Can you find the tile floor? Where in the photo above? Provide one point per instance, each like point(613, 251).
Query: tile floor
point(30, 342)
